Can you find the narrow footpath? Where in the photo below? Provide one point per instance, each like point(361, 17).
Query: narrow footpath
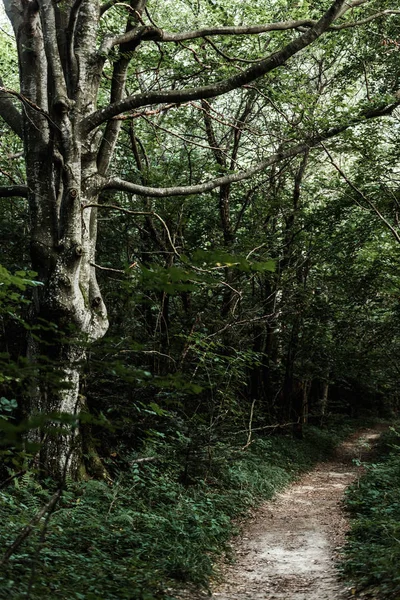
point(288, 549)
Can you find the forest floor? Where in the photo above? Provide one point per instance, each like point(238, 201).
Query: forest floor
point(289, 546)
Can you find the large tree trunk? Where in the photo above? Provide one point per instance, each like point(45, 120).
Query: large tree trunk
point(70, 299)
point(59, 89)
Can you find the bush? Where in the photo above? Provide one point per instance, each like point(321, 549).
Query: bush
point(145, 533)
point(372, 555)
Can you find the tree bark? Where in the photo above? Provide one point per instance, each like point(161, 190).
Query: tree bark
point(324, 399)
point(59, 174)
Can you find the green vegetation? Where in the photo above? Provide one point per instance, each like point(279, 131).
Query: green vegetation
point(145, 532)
point(372, 554)
point(200, 243)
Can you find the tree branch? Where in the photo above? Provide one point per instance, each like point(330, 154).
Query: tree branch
point(134, 36)
point(119, 77)
point(362, 195)
point(26, 101)
point(9, 112)
point(114, 183)
point(10, 191)
point(107, 5)
point(222, 87)
point(52, 53)
point(48, 508)
point(382, 13)
point(155, 33)
point(119, 271)
point(136, 212)
point(110, 3)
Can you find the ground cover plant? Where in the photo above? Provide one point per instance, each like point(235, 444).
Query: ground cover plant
point(144, 533)
point(372, 554)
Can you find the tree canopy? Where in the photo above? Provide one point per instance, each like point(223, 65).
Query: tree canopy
point(228, 173)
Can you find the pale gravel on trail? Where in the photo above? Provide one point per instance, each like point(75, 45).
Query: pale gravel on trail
point(289, 546)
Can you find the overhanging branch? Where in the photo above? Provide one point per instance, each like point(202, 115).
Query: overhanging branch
point(222, 87)
point(114, 183)
point(155, 33)
point(257, 29)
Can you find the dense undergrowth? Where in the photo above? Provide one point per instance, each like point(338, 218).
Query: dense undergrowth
point(372, 554)
point(145, 533)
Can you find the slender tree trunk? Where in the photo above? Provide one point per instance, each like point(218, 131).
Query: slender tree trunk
point(306, 395)
point(324, 399)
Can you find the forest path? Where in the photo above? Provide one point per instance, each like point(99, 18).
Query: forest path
point(288, 548)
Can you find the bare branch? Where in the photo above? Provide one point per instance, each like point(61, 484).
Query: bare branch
point(119, 76)
point(5, 483)
point(243, 30)
point(133, 36)
point(222, 87)
point(110, 3)
point(148, 113)
point(9, 176)
point(119, 271)
point(276, 426)
point(137, 212)
point(70, 35)
point(250, 430)
point(52, 52)
point(227, 57)
point(27, 102)
point(382, 13)
point(48, 508)
point(155, 33)
point(362, 195)
point(107, 5)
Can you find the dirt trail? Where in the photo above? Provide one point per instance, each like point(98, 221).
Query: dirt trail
point(288, 549)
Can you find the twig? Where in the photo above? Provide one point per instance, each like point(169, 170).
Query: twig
point(158, 353)
point(107, 269)
point(148, 113)
point(26, 101)
point(147, 459)
point(137, 212)
point(276, 426)
point(362, 195)
point(5, 483)
point(250, 425)
point(255, 249)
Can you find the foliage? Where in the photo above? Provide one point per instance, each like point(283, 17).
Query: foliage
point(250, 306)
point(372, 554)
point(144, 533)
